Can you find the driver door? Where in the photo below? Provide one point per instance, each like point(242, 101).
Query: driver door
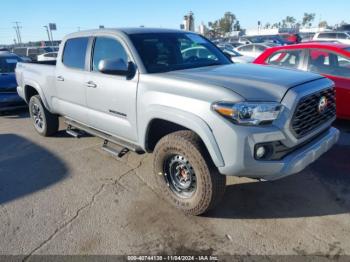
point(111, 99)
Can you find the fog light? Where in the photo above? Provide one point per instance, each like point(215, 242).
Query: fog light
point(260, 152)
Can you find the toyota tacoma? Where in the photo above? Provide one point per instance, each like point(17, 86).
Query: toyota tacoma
point(203, 117)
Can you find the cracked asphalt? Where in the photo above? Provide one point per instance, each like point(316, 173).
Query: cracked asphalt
point(65, 196)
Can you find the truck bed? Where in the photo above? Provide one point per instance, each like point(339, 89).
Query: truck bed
point(42, 62)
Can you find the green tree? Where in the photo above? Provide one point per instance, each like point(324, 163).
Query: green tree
point(308, 19)
point(267, 26)
point(290, 21)
point(224, 25)
point(276, 25)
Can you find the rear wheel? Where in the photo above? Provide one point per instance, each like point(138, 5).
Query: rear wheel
point(185, 173)
point(45, 123)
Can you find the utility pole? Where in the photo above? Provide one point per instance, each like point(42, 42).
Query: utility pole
point(52, 27)
point(48, 33)
point(18, 32)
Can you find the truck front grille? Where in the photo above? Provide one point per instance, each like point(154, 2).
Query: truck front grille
point(313, 111)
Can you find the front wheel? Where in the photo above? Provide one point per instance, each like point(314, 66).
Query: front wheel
point(45, 123)
point(185, 173)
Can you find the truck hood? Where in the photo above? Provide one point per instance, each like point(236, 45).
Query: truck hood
point(8, 82)
point(252, 82)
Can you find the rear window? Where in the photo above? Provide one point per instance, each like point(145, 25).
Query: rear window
point(75, 52)
point(327, 35)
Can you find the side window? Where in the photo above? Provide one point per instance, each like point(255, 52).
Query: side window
point(260, 48)
point(248, 48)
point(289, 59)
point(327, 35)
point(107, 48)
point(341, 36)
point(75, 52)
point(323, 62)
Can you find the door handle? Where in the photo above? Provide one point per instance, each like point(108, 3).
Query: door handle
point(91, 84)
point(60, 78)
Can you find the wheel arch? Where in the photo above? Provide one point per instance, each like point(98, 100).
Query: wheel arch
point(31, 88)
point(159, 117)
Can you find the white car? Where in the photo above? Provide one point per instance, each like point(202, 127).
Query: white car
point(51, 56)
point(235, 56)
point(253, 50)
point(197, 51)
point(341, 37)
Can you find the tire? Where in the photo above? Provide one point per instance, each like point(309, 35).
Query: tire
point(45, 123)
point(188, 154)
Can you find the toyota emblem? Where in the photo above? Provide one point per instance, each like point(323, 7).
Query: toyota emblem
point(322, 104)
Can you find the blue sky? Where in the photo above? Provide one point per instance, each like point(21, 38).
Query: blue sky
point(69, 15)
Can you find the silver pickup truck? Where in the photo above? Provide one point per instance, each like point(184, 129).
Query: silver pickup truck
point(175, 94)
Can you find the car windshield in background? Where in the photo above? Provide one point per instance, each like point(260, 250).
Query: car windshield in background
point(164, 52)
point(8, 64)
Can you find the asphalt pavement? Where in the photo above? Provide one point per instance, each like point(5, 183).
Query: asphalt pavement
point(65, 196)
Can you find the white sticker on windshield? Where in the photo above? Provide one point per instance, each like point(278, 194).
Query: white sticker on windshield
point(11, 61)
point(196, 38)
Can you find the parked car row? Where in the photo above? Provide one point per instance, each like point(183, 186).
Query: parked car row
point(37, 53)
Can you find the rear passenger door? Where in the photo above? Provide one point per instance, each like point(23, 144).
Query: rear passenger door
point(111, 99)
point(71, 73)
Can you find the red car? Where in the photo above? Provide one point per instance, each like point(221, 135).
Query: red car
point(329, 59)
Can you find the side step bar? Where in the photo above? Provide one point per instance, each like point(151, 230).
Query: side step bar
point(113, 151)
point(73, 133)
point(106, 137)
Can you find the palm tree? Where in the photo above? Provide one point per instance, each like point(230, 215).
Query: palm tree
point(290, 20)
point(308, 19)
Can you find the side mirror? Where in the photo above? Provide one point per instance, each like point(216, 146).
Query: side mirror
point(116, 67)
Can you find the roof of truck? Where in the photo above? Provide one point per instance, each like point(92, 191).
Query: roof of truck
point(143, 30)
point(128, 31)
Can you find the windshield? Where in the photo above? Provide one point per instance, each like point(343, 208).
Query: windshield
point(164, 52)
point(8, 64)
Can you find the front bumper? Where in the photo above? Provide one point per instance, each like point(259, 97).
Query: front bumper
point(10, 101)
point(293, 163)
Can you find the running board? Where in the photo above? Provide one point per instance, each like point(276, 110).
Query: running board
point(113, 151)
point(73, 133)
point(104, 136)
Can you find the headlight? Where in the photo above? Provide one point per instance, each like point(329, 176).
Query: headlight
point(249, 113)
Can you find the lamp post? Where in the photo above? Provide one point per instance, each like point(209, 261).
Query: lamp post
point(48, 33)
